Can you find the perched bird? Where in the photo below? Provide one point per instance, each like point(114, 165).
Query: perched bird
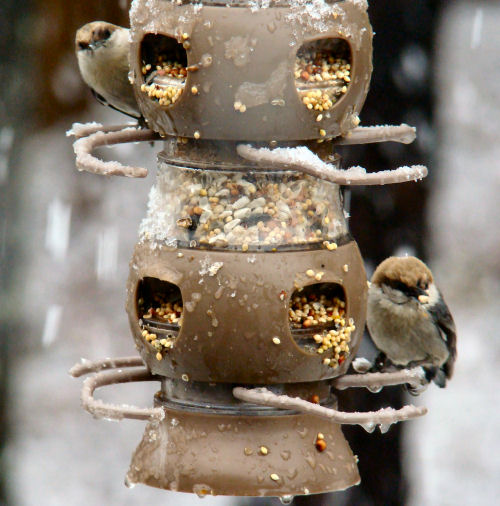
point(102, 50)
point(409, 321)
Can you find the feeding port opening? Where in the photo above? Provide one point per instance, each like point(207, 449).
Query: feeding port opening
point(163, 67)
point(159, 308)
point(319, 322)
point(323, 73)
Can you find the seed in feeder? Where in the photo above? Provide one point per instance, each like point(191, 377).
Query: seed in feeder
point(345, 268)
point(322, 132)
point(319, 117)
point(196, 135)
point(320, 445)
point(185, 36)
point(180, 254)
point(314, 399)
point(326, 361)
point(310, 273)
point(320, 436)
point(247, 451)
point(194, 90)
point(244, 247)
point(263, 450)
point(318, 276)
point(274, 477)
point(276, 340)
point(282, 295)
point(159, 356)
point(185, 377)
point(184, 222)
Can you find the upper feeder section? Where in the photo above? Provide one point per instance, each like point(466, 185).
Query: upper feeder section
point(251, 70)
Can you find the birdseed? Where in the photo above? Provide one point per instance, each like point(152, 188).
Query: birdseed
point(249, 212)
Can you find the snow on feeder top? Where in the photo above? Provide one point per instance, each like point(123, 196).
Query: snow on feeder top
point(257, 71)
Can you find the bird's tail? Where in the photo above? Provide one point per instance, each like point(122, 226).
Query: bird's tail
point(436, 374)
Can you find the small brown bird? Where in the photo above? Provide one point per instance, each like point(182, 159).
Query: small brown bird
point(102, 50)
point(409, 321)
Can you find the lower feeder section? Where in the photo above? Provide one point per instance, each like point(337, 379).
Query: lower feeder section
point(267, 454)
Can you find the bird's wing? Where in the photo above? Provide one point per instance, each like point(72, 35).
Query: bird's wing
point(442, 316)
point(103, 101)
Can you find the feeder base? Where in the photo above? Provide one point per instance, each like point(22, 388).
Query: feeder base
point(262, 455)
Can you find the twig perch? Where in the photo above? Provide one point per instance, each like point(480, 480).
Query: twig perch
point(89, 366)
point(414, 377)
point(304, 160)
point(107, 136)
point(99, 409)
point(403, 133)
point(79, 130)
point(385, 416)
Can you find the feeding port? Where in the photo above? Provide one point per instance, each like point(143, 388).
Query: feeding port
point(163, 70)
point(323, 73)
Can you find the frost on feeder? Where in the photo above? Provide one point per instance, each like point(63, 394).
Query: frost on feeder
point(247, 294)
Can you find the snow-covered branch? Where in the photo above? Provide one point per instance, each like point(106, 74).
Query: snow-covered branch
point(84, 146)
point(88, 366)
point(369, 420)
point(403, 133)
point(100, 409)
point(303, 160)
point(376, 381)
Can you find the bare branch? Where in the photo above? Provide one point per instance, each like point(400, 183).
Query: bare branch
point(303, 160)
point(369, 419)
point(403, 133)
point(375, 381)
point(99, 409)
point(84, 146)
point(87, 366)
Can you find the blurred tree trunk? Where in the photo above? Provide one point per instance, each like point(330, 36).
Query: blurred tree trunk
point(39, 79)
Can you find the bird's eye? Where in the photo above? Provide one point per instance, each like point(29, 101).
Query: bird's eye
point(83, 45)
point(423, 284)
point(102, 34)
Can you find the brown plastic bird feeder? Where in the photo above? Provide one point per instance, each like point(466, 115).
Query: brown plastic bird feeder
point(247, 294)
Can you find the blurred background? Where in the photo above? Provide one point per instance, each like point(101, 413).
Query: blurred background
point(66, 239)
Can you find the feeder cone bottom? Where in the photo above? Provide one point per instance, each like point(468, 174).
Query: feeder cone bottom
point(221, 454)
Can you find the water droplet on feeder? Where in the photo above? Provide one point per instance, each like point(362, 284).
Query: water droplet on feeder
point(202, 490)
point(375, 389)
point(286, 454)
point(286, 499)
point(369, 427)
point(311, 461)
point(384, 427)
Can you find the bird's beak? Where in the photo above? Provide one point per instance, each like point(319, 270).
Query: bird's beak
point(423, 295)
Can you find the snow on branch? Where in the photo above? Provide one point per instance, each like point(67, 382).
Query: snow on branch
point(304, 160)
point(368, 420)
point(84, 146)
point(403, 133)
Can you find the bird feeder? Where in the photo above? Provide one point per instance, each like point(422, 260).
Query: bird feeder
point(247, 294)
